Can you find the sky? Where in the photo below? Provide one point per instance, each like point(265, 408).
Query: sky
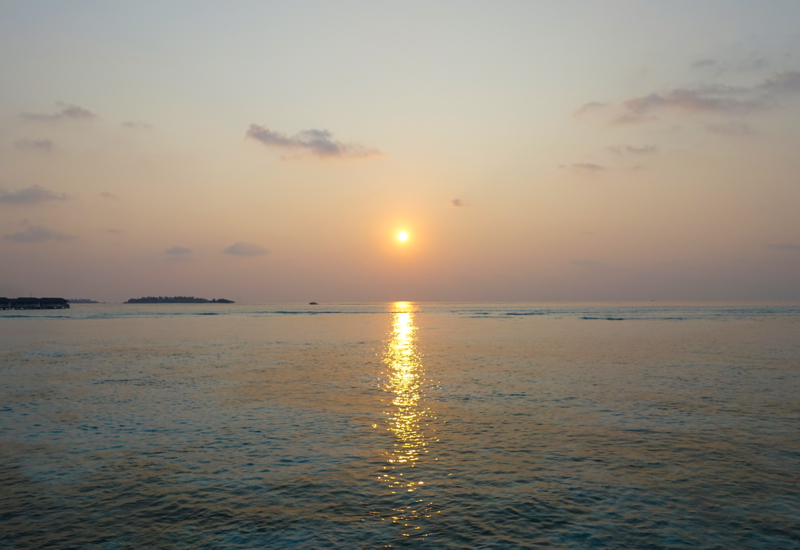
point(271, 151)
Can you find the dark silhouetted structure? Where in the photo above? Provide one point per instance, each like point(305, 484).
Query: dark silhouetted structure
point(53, 303)
point(33, 303)
point(177, 300)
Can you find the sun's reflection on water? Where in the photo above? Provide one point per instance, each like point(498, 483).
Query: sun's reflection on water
point(407, 418)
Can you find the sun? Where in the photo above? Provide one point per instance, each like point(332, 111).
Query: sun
point(402, 236)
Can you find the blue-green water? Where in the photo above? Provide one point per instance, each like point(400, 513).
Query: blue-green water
point(400, 425)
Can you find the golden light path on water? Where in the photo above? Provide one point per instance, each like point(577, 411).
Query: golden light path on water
point(407, 419)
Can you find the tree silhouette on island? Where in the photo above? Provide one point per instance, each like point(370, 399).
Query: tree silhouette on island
point(177, 300)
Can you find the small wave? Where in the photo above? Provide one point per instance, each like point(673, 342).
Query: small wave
point(303, 312)
point(321, 312)
point(35, 317)
point(526, 313)
point(604, 318)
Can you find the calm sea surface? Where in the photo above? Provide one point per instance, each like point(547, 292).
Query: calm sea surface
point(400, 425)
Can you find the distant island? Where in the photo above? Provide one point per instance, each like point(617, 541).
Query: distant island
point(177, 300)
point(82, 301)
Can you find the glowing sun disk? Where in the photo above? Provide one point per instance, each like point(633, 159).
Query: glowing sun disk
point(402, 236)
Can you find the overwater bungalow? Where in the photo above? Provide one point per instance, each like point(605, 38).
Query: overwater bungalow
point(53, 303)
point(26, 303)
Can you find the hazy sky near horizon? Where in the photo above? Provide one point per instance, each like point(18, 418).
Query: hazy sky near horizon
point(271, 151)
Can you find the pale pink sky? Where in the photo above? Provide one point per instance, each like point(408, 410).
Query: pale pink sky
point(271, 151)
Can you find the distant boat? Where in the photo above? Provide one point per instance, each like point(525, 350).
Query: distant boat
point(313, 303)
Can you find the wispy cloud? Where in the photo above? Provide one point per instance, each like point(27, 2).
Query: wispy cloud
point(585, 167)
point(67, 112)
point(458, 203)
point(730, 128)
point(41, 145)
point(110, 196)
point(708, 100)
point(245, 249)
point(588, 108)
point(31, 195)
point(316, 142)
point(785, 246)
point(178, 251)
point(633, 150)
point(788, 82)
point(137, 125)
point(719, 66)
point(705, 64)
point(38, 234)
point(718, 99)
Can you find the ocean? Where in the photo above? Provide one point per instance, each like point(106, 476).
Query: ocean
point(397, 425)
